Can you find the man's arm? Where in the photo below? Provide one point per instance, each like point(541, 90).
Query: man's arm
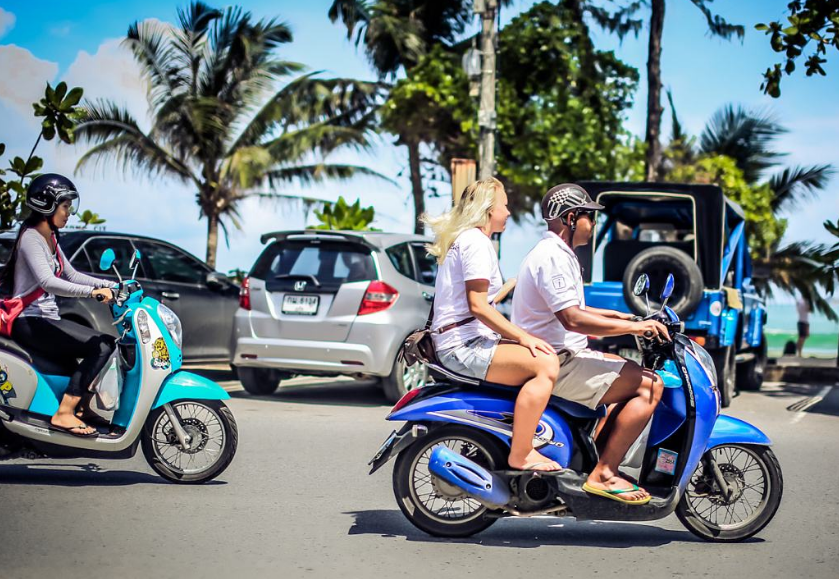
point(613, 314)
point(588, 322)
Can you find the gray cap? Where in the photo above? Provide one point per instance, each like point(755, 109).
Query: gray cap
point(564, 198)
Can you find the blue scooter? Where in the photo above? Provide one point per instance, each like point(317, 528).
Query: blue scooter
point(716, 472)
point(187, 433)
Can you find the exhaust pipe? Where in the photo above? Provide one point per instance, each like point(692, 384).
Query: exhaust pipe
point(480, 484)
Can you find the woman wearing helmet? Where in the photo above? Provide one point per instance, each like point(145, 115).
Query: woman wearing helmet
point(38, 262)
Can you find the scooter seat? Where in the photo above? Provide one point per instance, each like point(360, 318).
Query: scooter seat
point(40, 363)
point(438, 371)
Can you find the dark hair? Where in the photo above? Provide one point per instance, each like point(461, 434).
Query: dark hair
point(7, 273)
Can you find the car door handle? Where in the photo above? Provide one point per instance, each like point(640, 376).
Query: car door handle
point(427, 296)
point(170, 295)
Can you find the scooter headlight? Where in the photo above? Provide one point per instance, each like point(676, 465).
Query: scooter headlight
point(172, 322)
point(706, 362)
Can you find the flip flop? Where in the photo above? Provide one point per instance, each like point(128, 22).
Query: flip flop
point(615, 494)
point(531, 466)
point(76, 430)
point(93, 419)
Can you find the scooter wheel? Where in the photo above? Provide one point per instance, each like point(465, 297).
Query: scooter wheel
point(214, 438)
point(430, 504)
point(754, 477)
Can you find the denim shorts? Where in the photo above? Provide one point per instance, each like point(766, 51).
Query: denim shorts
point(472, 358)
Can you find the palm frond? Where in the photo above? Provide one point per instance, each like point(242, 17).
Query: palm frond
point(148, 41)
point(351, 12)
point(620, 21)
point(797, 184)
point(744, 136)
point(310, 174)
point(717, 24)
point(678, 133)
point(116, 134)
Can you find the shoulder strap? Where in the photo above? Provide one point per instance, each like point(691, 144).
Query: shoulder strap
point(430, 316)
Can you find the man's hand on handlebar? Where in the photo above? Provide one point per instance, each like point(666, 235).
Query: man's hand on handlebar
point(650, 329)
point(103, 294)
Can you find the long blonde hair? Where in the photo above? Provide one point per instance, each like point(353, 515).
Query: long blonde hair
point(472, 210)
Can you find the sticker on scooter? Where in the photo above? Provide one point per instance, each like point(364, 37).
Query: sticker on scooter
point(160, 355)
point(666, 461)
point(7, 389)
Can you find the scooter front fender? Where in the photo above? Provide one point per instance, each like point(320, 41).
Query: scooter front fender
point(188, 386)
point(730, 430)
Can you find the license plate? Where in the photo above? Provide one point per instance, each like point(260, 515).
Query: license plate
point(301, 305)
point(630, 354)
point(385, 445)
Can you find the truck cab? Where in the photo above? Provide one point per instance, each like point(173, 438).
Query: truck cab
point(698, 235)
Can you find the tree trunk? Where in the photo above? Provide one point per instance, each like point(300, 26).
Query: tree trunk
point(654, 108)
point(416, 185)
point(212, 239)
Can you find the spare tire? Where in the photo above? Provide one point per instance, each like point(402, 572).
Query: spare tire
point(657, 262)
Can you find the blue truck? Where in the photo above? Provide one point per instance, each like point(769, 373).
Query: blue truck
point(696, 233)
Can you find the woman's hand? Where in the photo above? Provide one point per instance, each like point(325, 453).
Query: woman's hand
point(533, 343)
point(103, 294)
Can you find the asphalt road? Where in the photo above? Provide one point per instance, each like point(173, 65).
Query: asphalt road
point(297, 502)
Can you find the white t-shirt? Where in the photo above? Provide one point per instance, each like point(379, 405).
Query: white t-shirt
point(471, 256)
point(550, 280)
point(803, 311)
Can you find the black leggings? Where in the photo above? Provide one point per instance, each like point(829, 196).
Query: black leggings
point(66, 341)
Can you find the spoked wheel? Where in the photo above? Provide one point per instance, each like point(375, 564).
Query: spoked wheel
point(431, 504)
point(756, 485)
point(213, 437)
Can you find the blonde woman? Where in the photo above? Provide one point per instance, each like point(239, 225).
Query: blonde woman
point(467, 329)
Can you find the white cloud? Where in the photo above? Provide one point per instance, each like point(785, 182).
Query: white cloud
point(7, 21)
point(23, 78)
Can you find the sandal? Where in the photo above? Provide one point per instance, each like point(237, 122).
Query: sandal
point(76, 430)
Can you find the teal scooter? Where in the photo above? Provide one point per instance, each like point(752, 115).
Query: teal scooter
point(187, 433)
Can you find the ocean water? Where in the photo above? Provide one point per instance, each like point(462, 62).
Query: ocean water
point(781, 326)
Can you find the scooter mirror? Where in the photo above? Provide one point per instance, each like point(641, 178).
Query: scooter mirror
point(135, 257)
point(642, 285)
point(668, 287)
point(107, 259)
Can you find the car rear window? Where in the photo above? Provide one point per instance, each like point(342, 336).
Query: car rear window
point(330, 263)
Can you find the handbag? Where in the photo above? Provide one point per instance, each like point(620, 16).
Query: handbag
point(418, 346)
point(11, 308)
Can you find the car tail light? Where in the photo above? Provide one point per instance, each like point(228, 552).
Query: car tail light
point(379, 296)
point(245, 294)
point(698, 339)
point(405, 400)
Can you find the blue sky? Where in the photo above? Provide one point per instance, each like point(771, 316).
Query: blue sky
point(79, 42)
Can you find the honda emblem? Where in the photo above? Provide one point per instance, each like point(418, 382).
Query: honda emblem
point(299, 286)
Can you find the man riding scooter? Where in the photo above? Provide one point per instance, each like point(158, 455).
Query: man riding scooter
point(549, 303)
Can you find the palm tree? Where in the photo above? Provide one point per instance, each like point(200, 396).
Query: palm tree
point(622, 22)
point(217, 120)
point(395, 34)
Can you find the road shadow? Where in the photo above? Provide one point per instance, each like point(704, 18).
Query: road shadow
point(77, 475)
point(529, 533)
point(366, 393)
point(829, 406)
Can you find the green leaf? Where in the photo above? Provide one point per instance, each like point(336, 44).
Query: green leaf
point(72, 99)
point(48, 134)
point(34, 164)
point(2, 148)
point(761, 27)
point(49, 95)
point(60, 91)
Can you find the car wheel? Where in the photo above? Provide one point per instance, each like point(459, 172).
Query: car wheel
point(750, 374)
point(259, 381)
point(403, 379)
point(726, 374)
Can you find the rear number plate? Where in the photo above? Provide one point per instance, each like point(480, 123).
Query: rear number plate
point(301, 305)
point(630, 354)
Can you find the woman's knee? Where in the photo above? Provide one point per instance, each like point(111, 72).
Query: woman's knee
point(107, 345)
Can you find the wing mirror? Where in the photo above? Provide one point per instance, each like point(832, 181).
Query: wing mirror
point(107, 260)
point(642, 287)
point(217, 280)
point(669, 283)
point(134, 263)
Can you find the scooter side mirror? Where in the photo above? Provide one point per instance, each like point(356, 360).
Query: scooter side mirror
point(107, 259)
point(668, 288)
point(135, 257)
point(642, 285)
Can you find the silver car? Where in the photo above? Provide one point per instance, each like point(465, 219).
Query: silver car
point(333, 303)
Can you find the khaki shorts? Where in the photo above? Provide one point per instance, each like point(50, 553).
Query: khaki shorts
point(586, 376)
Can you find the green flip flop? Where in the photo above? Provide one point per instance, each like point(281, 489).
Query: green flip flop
point(615, 495)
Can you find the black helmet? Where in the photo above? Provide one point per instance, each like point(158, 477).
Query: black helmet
point(46, 193)
point(563, 198)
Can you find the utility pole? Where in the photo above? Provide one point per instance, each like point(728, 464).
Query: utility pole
point(488, 11)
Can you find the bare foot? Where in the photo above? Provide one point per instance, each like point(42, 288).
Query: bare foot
point(616, 483)
point(70, 421)
point(533, 461)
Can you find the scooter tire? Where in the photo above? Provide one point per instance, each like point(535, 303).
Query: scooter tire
point(494, 457)
point(769, 505)
point(231, 442)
